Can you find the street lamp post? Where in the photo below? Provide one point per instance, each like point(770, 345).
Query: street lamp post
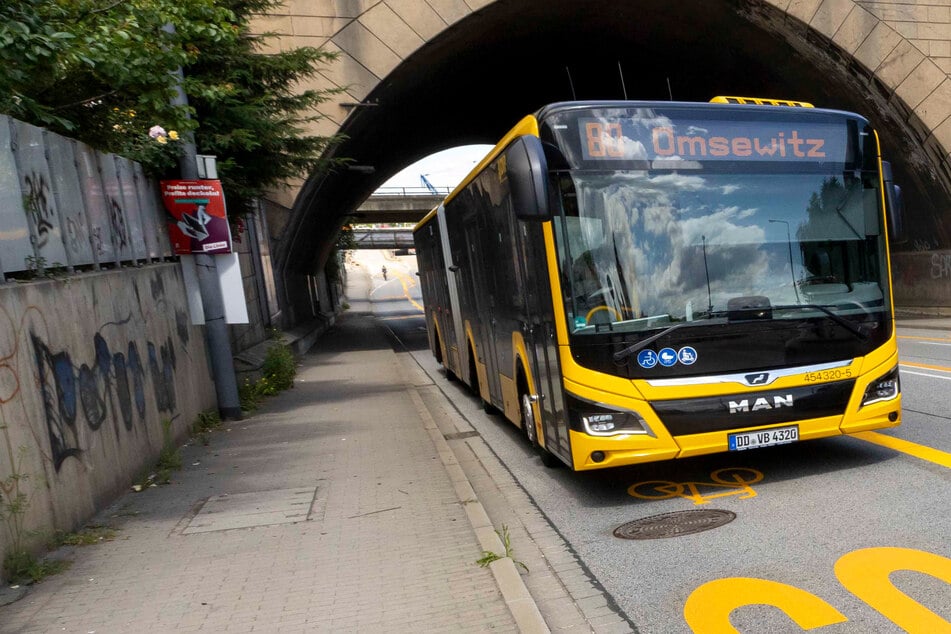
point(216, 329)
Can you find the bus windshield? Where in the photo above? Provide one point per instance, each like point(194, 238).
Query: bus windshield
point(641, 250)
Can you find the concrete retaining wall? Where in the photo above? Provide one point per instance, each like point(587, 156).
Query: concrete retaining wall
point(90, 366)
point(922, 278)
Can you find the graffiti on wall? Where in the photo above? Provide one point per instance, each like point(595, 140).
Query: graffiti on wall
point(940, 266)
point(110, 384)
point(43, 222)
point(39, 206)
point(111, 379)
point(120, 232)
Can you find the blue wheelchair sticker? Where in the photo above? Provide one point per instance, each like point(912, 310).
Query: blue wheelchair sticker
point(647, 358)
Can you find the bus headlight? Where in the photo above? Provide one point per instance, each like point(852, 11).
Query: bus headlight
point(884, 388)
point(597, 419)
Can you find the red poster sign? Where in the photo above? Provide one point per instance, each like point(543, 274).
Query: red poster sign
point(198, 222)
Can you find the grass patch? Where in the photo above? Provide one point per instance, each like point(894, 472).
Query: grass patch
point(85, 537)
point(277, 374)
point(24, 567)
point(206, 423)
point(170, 457)
point(279, 369)
point(488, 556)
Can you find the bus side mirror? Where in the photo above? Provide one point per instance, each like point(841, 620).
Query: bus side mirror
point(894, 201)
point(527, 172)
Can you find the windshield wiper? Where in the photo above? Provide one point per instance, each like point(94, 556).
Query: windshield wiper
point(845, 323)
point(621, 355)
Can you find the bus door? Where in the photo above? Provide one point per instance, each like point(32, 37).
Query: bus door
point(481, 263)
point(540, 338)
point(453, 325)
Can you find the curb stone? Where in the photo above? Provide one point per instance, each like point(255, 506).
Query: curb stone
point(520, 603)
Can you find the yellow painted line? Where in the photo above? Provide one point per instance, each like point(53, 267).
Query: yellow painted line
point(407, 283)
point(938, 457)
point(945, 339)
point(925, 366)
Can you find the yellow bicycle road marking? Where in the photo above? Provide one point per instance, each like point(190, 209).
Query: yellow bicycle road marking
point(864, 572)
point(929, 454)
point(735, 485)
point(708, 608)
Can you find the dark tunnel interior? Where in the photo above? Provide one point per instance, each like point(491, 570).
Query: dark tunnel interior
point(478, 78)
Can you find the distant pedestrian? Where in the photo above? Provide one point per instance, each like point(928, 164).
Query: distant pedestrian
point(384, 272)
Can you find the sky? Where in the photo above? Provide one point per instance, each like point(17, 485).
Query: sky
point(443, 169)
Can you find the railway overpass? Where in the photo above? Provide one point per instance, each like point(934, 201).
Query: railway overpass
point(390, 205)
point(383, 239)
point(420, 76)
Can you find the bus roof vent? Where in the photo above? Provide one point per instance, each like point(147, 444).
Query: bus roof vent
point(762, 102)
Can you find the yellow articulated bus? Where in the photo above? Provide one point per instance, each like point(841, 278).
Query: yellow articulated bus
point(639, 281)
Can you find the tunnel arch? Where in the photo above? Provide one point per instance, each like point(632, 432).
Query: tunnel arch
point(443, 73)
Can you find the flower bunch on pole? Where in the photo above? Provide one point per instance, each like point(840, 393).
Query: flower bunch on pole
point(158, 133)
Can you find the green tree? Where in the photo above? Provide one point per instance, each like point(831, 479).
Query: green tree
point(102, 72)
point(251, 114)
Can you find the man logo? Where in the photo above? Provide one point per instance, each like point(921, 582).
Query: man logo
point(761, 378)
point(761, 403)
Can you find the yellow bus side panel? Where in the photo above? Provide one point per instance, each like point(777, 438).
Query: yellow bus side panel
point(441, 341)
point(453, 361)
point(509, 398)
point(481, 373)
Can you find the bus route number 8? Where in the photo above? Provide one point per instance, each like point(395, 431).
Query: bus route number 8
point(605, 140)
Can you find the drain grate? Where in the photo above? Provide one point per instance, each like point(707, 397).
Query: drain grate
point(674, 524)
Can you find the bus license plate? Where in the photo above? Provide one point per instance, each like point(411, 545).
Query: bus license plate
point(763, 438)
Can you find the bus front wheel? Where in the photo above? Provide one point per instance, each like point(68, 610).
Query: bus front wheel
point(531, 433)
point(528, 421)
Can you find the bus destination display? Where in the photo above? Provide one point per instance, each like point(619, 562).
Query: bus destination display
point(663, 139)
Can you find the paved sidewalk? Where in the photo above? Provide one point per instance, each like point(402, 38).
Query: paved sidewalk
point(924, 323)
point(334, 508)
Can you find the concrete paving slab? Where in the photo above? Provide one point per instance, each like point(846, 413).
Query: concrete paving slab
point(246, 510)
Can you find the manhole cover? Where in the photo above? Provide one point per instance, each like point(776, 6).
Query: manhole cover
point(674, 524)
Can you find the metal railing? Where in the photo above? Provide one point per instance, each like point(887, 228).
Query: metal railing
point(412, 191)
point(383, 239)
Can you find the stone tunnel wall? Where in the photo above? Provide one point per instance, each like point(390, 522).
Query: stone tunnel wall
point(900, 50)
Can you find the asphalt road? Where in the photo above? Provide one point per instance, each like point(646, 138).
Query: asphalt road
point(843, 535)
